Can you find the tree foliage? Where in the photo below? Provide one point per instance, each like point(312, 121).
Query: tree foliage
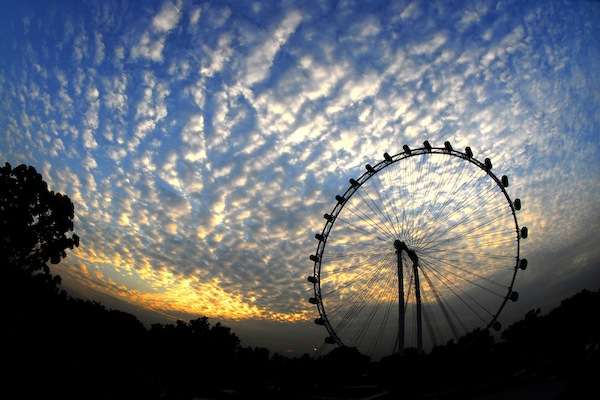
point(35, 222)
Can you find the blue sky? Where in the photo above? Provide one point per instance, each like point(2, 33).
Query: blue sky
point(202, 142)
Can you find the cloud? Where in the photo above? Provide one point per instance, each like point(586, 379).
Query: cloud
point(259, 62)
point(167, 18)
point(202, 158)
point(149, 47)
point(152, 41)
point(217, 58)
point(195, 15)
point(193, 136)
point(90, 163)
point(80, 47)
point(99, 57)
point(150, 110)
point(91, 118)
point(410, 11)
point(472, 15)
point(355, 91)
point(115, 96)
point(430, 46)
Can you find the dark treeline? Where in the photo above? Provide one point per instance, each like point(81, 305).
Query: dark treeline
point(72, 348)
point(56, 346)
point(75, 348)
point(560, 349)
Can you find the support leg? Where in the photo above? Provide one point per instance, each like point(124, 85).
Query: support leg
point(418, 295)
point(401, 316)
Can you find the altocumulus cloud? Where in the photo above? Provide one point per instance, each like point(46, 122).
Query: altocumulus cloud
point(201, 143)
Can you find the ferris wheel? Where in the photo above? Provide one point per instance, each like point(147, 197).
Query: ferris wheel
point(423, 247)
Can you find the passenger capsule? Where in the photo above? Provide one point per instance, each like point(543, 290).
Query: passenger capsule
point(469, 152)
point(427, 145)
point(448, 146)
point(319, 237)
point(312, 279)
point(514, 296)
point(523, 264)
point(497, 326)
point(330, 340)
point(369, 168)
point(313, 258)
point(354, 182)
point(313, 300)
point(524, 232)
point(340, 199)
point(319, 321)
point(406, 149)
point(504, 180)
point(488, 164)
point(517, 204)
point(387, 157)
point(328, 217)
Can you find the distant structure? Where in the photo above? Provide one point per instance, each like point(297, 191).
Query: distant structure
point(433, 213)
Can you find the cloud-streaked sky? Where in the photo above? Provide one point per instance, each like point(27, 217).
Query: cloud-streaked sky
point(201, 142)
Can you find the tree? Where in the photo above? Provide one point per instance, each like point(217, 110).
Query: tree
point(345, 365)
point(34, 222)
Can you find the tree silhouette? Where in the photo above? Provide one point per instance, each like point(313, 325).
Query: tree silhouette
point(33, 220)
point(35, 228)
point(345, 365)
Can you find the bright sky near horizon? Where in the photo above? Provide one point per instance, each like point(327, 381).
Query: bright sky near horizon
point(201, 142)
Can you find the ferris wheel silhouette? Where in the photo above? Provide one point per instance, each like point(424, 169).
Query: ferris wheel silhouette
point(422, 247)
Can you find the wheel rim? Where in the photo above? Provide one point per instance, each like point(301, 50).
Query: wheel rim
point(356, 308)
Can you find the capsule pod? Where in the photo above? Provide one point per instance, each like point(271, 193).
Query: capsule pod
point(313, 300)
point(328, 217)
point(319, 237)
point(517, 204)
point(330, 340)
point(514, 296)
point(504, 180)
point(497, 326)
point(354, 182)
point(387, 157)
point(312, 279)
point(523, 264)
point(469, 152)
point(448, 146)
point(313, 258)
point(319, 321)
point(406, 149)
point(524, 232)
point(488, 164)
point(369, 168)
point(340, 199)
point(427, 145)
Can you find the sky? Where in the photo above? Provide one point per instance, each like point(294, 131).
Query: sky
point(201, 142)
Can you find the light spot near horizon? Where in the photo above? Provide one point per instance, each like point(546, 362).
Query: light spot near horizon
point(201, 145)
